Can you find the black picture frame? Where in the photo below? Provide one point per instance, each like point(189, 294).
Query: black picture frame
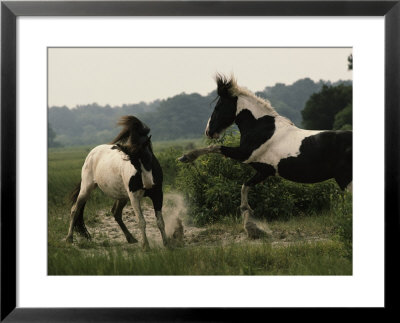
point(10, 10)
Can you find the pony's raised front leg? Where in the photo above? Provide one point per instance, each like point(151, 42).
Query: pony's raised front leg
point(194, 154)
point(117, 212)
point(135, 201)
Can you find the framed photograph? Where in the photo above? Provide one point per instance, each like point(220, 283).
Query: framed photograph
point(72, 70)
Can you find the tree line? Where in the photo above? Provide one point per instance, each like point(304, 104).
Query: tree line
point(309, 104)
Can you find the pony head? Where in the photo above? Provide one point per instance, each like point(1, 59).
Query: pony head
point(224, 113)
point(145, 152)
point(232, 100)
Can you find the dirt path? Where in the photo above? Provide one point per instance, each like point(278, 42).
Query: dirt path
point(107, 229)
point(174, 209)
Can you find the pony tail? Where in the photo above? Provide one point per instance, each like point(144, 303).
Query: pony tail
point(74, 194)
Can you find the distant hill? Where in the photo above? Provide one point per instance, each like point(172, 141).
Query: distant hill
point(289, 100)
point(181, 116)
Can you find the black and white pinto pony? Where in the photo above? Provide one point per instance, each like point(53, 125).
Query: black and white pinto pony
point(273, 145)
point(125, 170)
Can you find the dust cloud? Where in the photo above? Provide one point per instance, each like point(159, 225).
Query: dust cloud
point(174, 211)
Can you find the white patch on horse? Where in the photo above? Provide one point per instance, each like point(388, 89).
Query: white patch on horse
point(248, 100)
point(256, 106)
point(259, 107)
point(284, 143)
point(109, 168)
point(147, 178)
point(287, 138)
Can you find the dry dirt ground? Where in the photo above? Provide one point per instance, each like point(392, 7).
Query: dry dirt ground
point(186, 234)
point(177, 228)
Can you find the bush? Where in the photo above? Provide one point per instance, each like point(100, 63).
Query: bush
point(342, 211)
point(169, 164)
point(213, 183)
point(279, 198)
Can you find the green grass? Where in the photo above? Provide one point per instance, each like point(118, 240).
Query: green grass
point(288, 252)
point(322, 258)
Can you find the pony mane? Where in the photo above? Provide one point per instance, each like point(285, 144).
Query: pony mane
point(129, 137)
point(230, 85)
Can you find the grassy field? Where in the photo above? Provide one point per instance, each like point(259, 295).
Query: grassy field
point(304, 245)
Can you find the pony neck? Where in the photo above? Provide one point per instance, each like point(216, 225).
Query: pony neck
point(257, 107)
point(249, 110)
point(135, 159)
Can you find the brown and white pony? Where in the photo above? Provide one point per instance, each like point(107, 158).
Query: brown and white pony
point(273, 145)
point(126, 169)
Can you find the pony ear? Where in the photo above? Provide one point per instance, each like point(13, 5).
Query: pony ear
point(143, 140)
point(145, 130)
point(147, 141)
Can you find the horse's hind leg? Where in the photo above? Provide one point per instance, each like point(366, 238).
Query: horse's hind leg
point(135, 201)
point(117, 212)
point(253, 232)
point(76, 219)
point(80, 226)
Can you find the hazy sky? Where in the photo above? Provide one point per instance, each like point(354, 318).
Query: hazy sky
point(116, 76)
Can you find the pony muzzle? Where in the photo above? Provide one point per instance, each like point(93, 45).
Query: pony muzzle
point(215, 135)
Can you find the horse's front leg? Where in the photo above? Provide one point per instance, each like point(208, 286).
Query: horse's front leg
point(156, 196)
point(196, 153)
point(135, 202)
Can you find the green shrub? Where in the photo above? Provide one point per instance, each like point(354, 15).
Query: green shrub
point(213, 183)
point(169, 164)
point(167, 153)
point(342, 210)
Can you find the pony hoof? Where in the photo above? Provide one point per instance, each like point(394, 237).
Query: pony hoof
point(131, 240)
point(184, 159)
point(69, 240)
point(253, 232)
point(244, 209)
point(175, 243)
point(88, 236)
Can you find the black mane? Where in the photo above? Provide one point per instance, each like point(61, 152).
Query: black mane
point(224, 85)
point(132, 136)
